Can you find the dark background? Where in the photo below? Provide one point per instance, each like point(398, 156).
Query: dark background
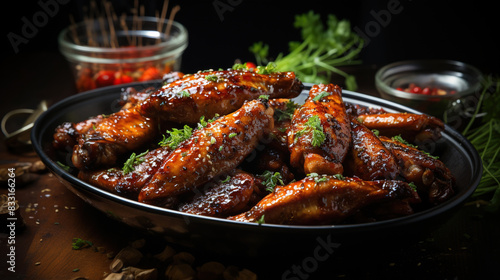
point(458, 30)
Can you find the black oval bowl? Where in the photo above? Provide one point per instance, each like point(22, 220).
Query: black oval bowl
point(238, 238)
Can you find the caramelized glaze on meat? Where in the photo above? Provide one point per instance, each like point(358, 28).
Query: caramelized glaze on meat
point(215, 149)
point(113, 136)
point(216, 92)
point(416, 128)
point(369, 158)
point(323, 200)
point(324, 102)
point(129, 184)
point(224, 197)
point(433, 179)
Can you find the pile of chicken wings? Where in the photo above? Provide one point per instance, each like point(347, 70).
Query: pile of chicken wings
point(234, 144)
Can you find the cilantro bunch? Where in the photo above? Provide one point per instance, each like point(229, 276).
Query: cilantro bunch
point(323, 48)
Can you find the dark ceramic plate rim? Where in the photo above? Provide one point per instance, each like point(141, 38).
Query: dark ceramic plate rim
point(449, 134)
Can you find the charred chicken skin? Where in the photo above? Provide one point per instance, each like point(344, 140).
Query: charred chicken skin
point(184, 100)
point(320, 135)
point(215, 149)
point(415, 128)
point(433, 179)
point(369, 158)
point(324, 200)
point(225, 196)
point(127, 184)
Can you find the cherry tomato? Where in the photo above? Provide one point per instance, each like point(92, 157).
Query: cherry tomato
point(251, 65)
point(151, 73)
point(122, 79)
point(416, 89)
point(105, 78)
point(426, 91)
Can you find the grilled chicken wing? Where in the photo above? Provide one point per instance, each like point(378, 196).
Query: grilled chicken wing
point(433, 179)
point(416, 128)
point(216, 92)
point(66, 135)
point(324, 105)
point(127, 184)
point(368, 157)
point(213, 150)
point(323, 200)
point(113, 136)
point(224, 197)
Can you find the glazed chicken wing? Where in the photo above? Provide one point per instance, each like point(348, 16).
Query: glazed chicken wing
point(320, 135)
point(224, 197)
point(323, 200)
point(115, 135)
point(215, 149)
point(433, 179)
point(123, 182)
point(415, 128)
point(216, 92)
point(369, 158)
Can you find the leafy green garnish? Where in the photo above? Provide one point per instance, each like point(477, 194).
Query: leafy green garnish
point(313, 125)
point(271, 180)
point(286, 114)
point(321, 95)
point(133, 160)
point(212, 78)
point(203, 123)
point(261, 220)
point(317, 178)
point(79, 243)
point(400, 139)
point(176, 136)
point(323, 48)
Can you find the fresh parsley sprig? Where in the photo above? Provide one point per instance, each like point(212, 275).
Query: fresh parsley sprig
point(176, 136)
point(322, 50)
point(133, 160)
point(271, 180)
point(313, 126)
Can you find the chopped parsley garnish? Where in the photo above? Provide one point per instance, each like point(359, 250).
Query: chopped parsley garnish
point(400, 139)
point(232, 134)
point(271, 180)
point(176, 136)
point(321, 95)
point(79, 243)
point(203, 123)
point(286, 114)
point(270, 68)
point(413, 186)
point(265, 97)
point(317, 177)
point(134, 160)
point(184, 93)
point(261, 220)
point(212, 78)
point(314, 126)
point(227, 179)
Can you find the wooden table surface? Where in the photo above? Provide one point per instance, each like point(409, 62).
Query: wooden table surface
point(466, 246)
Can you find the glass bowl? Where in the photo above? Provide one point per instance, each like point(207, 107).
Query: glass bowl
point(129, 50)
point(451, 80)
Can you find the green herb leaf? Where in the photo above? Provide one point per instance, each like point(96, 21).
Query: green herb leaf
point(176, 136)
point(133, 160)
point(323, 49)
point(79, 243)
point(321, 95)
point(271, 180)
point(313, 125)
